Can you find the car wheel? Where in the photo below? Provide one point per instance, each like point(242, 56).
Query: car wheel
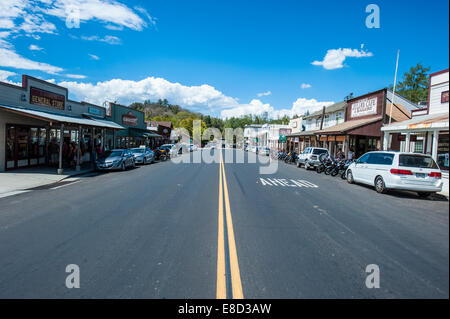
point(424, 194)
point(380, 187)
point(299, 165)
point(350, 179)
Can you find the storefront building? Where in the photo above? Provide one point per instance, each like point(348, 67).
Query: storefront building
point(304, 134)
point(428, 130)
point(269, 135)
point(40, 126)
point(364, 117)
point(163, 129)
point(135, 133)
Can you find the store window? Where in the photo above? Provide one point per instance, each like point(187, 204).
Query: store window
point(34, 142)
point(42, 141)
point(443, 149)
point(10, 143)
point(22, 142)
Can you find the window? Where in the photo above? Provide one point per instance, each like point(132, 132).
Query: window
point(10, 143)
point(318, 151)
point(444, 97)
point(34, 142)
point(22, 143)
point(364, 159)
point(443, 151)
point(339, 118)
point(318, 121)
point(416, 161)
point(381, 159)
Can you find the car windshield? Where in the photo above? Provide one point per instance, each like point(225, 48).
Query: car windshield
point(111, 154)
point(416, 161)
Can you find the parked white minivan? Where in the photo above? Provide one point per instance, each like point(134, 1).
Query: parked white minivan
point(396, 170)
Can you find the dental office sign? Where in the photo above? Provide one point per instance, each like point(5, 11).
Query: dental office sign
point(364, 107)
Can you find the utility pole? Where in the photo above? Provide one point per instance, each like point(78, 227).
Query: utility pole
point(393, 93)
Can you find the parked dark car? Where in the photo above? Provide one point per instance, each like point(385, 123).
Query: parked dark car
point(119, 159)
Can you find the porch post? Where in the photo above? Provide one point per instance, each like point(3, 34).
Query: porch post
point(407, 141)
point(77, 168)
point(385, 140)
point(61, 141)
point(429, 142)
point(435, 144)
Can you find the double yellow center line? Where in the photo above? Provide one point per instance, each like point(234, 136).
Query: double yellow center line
point(236, 285)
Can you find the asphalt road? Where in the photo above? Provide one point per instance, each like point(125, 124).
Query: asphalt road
point(155, 232)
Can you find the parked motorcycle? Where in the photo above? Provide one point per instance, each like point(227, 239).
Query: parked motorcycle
point(339, 165)
point(324, 161)
point(290, 158)
point(161, 154)
point(343, 171)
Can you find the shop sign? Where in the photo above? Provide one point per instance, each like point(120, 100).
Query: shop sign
point(129, 119)
point(364, 107)
point(45, 98)
point(93, 110)
point(285, 131)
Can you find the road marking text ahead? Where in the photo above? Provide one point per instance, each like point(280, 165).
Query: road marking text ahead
point(286, 183)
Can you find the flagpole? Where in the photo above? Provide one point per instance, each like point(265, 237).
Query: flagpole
point(393, 93)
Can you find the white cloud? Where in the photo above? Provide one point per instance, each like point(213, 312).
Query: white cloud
point(202, 98)
point(4, 75)
point(34, 47)
point(264, 94)
point(110, 39)
point(75, 76)
point(305, 86)
point(335, 58)
point(256, 107)
point(106, 11)
point(9, 58)
point(94, 57)
point(197, 98)
point(302, 105)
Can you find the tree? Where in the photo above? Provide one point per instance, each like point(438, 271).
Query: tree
point(414, 85)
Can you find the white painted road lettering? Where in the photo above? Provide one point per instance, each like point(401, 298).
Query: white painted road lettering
point(286, 183)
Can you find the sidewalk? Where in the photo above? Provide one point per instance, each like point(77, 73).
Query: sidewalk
point(20, 180)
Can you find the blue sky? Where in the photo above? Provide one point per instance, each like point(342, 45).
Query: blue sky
point(217, 56)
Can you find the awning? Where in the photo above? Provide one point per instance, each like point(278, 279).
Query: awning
point(109, 124)
point(52, 117)
point(138, 132)
point(304, 133)
point(348, 126)
point(423, 122)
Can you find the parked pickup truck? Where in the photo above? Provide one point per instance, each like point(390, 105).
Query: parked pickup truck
point(310, 157)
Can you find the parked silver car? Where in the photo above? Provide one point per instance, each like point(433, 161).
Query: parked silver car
point(119, 159)
point(310, 157)
point(143, 155)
